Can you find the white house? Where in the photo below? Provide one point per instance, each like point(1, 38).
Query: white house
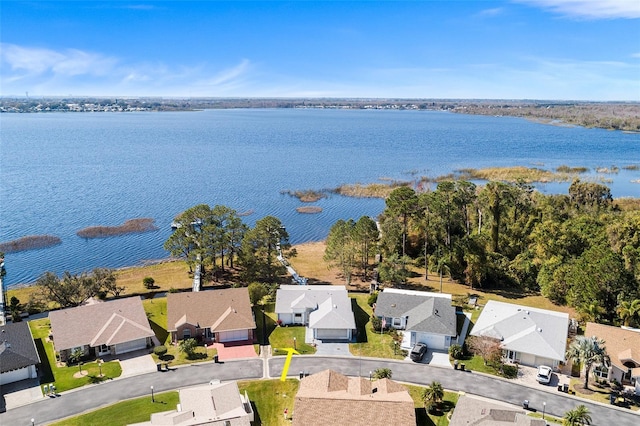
point(529, 336)
point(18, 354)
point(426, 317)
point(325, 309)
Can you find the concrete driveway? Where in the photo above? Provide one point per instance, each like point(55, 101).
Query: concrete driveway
point(341, 349)
point(435, 358)
point(136, 363)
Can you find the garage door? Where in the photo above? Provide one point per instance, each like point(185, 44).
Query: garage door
point(134, 345)
point(14, 376)
point(332, 333)
point(233, 336)
point(433, 341)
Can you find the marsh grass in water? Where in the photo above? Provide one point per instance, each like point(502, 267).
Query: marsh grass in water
point(131, 226)
point(30, 242)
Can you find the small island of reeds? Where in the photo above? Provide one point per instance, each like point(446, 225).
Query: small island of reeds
point(30, 242)
point(309, 209)
point(131, 226)
point(307, 195)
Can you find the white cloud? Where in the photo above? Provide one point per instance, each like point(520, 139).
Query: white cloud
point(590, 9)
point(635, 55)
point(490, 12)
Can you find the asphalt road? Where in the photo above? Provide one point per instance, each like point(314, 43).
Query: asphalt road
point(92, 397)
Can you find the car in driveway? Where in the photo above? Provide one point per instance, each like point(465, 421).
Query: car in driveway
point(418, 351)
point(544, 374)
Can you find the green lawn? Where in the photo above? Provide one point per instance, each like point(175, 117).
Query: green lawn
point(429, 419)
point(63, 377)
point(269, 399)
point(370, 343)
point(133, 411)
point(281, 337)
point(156, 309)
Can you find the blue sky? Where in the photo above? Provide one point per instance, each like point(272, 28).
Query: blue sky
point(520, 49)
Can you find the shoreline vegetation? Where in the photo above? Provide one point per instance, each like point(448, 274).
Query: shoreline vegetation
point(131, 226)
point(29, 242)
point(623, 116)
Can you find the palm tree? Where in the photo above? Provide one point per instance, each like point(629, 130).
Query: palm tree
point(587, 351)
point(577, 417)
point(432, 395)
point(382, 373)
point(629, 311)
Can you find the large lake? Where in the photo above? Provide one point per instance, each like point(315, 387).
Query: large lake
point(63, 172)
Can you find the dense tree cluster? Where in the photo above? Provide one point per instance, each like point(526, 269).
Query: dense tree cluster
point(579, 249)
point(73, 289)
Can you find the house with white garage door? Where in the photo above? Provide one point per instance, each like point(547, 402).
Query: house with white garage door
point(324, 309)
point(528, 336)
point(424, 317)
point(102, 328)
point(212, 315)
point(18, 354)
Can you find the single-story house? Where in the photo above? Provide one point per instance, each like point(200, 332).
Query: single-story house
point(330, 398)
point(529, 336)
point(212, 315)
point(18, 354)
point(482, 412)
point(623, 350)
point(425, 317)
point(325, 309)
point(215, 404)
point(103, 328)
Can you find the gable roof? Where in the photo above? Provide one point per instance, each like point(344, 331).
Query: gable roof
point(623, 345)
point(220, 310)
point(306, 297)
point(17, 348)
point(426, 312)
point(533, 331)
point(335, 312)
point(210, 404)
point(105, 323)
point(472, 411)
point(329, 397)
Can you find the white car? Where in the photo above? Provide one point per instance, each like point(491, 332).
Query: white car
point(544, 374)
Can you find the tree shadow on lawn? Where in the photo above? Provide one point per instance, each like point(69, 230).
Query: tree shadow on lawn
point(362, 319)
point(264, 325)
point(422, 419)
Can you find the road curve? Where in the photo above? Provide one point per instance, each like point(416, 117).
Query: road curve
point(91, 397)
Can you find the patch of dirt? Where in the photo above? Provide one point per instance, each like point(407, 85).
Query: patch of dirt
point(80, 374)
point(580, 389)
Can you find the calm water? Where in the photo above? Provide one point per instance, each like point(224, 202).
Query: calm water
point(62, 172)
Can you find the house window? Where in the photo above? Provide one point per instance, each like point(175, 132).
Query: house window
point(397, 322)
point(186, 333)
point(511, 356)
point(601, 372)
point(297, 317)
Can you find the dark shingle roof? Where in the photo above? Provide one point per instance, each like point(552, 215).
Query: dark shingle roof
point(17, 349)
point(425, 312)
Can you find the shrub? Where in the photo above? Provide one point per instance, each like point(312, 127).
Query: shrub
point(510, 371)
point(382, 373)
point(160, 350)
point(373, 298)
point(456, 351)
point(376, 323)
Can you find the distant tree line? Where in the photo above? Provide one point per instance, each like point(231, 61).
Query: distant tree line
point(579, 249)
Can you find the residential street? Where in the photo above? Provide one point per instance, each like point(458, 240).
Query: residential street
point(93, 397)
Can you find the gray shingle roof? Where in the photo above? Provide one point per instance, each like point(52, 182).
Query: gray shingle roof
point(17, 349)
point(426, 312)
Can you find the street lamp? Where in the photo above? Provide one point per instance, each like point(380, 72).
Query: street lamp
point(294, 343)
point(33, 422)
point(100, 366)
point(152, 398)
point(544, 409)
point(370, 375)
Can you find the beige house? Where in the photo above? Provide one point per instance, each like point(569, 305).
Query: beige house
point(330, 398)
point(99, 329)
point(215, 404)
point(623, 350)
point(212, 315)
point(482, 412)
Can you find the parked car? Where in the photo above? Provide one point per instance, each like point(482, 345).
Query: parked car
point(544, 374)
point(418, 351)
